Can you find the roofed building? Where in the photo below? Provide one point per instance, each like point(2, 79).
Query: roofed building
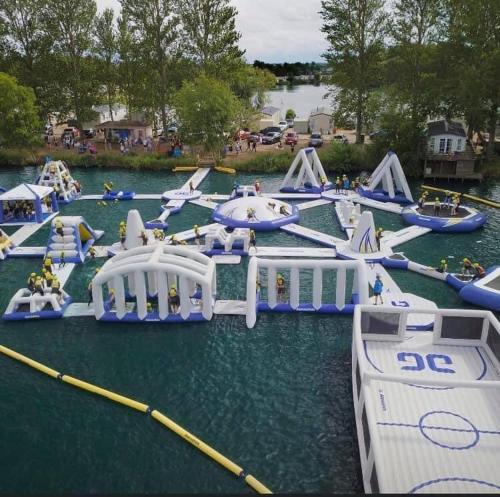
point(449, 154)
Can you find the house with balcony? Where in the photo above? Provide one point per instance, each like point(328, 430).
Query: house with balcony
point(449, 153)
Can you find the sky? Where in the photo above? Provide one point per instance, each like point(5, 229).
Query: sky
point(274, 30)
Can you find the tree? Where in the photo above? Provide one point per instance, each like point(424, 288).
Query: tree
point(154, 26)
point(416, 25)
point(475, 37)
point(209, 113)
point(71, 24)
point(355, 31)
point(106, 52)
point(209, 35)
point(20, 125)
point(290, 114)
point(26, 46)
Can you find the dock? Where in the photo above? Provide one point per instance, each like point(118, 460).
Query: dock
point(313, 203)
point(405, 235)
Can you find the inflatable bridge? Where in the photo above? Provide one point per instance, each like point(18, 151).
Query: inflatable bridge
point(74, 242)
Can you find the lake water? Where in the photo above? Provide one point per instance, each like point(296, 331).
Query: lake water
point(276, 399)
point(301, 98)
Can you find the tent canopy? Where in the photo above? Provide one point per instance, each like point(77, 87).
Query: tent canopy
point(26, 192)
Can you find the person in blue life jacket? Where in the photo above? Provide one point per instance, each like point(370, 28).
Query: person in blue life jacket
point(377, 289)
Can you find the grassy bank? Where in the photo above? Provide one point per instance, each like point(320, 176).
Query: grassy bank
point(22, 158)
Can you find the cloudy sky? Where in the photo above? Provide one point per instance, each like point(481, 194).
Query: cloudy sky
point(274, 30)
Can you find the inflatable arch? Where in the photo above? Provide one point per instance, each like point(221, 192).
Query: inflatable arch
point(56, 174)
point(143, 277)
point(388, 182)
point(308, 179)
point(269, 268)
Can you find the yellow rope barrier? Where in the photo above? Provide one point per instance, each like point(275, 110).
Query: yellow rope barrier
point(139, 406)
point(480, 200)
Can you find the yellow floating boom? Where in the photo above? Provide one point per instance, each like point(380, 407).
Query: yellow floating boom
point(485, 201)
point(227, 170)
point(139, 406)
point(184, 169)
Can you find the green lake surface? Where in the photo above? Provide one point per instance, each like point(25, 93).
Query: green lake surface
point(276, 399)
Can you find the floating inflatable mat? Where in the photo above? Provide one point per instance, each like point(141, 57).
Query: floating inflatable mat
point(383, 196)
point(466, 219)
point(484, 292)
point(118, 196)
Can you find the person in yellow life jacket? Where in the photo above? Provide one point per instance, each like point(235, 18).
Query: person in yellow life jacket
point(467, 267)
point(378, 237)
point(39, 285)
point(62, 260)
point(31, 282)
point(323, 182)
point(197, 235)
point(338, 184)
point(48, 277)
point(144, 237)
point(173, 300)
point(173, 240)
point(92, 252)
point(47, 264)
point(89, 291)
point(149, 307)
point(437, 206)
point(443, 266)
point(280, 287)
point(253, 239)
point(58, 224)
point(56, 287)
point(480, 272)
point(108, 187)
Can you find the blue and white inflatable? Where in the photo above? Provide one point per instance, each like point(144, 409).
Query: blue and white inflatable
point(118, 196)
point(388, 182)
point(257, 213)
point(484, 292)
point(311, 177)
point(25, 305)
point(466, 220)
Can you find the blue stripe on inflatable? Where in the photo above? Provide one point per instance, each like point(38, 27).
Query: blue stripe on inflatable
point(324, 309)
point(152, 317)
point(23, 316)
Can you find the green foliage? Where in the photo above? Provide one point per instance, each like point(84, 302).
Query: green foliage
point(339, 158)
point(401, 135)
point(19, 124)
point(355, 31)
point(210, 38)
point(291, 70)
point(209, 113)
point(290, 114)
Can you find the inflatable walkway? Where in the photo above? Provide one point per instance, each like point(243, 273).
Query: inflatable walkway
point(75, 241)
point(55, 174)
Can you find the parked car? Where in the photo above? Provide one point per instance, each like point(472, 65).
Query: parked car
point(243, 134)
point(89, 133)
point(271, 129)
point(283, 125)
point(290, 122)
point(271, 137)
point(341, 139)
point(316, 140)
point(72, 132)
point(291, 138)
point(172, 128)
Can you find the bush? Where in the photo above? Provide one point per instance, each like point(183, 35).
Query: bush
point(266, 163)
point(347, 158)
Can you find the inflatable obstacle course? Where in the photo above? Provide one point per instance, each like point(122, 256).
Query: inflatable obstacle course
point(70, 237)
point(306, 174)
point(474, 198)
point(55, 174)
point(219, 241)
point(388, 182)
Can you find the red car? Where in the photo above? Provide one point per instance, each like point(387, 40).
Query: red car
point(292, 138)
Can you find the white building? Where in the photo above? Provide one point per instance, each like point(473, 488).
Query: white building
point(321, 120)
point(445, 137)
point(269, 116)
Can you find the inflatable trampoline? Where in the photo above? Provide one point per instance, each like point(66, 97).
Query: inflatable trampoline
point(257, 213)
point(484, 292)
point(118, 196)
point(466, 219)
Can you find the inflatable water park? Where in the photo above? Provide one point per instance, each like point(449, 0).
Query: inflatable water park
point(406, 351)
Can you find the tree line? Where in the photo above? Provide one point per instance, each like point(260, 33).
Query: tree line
point(74, 57)
point(291, 70)
point(396, 64)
